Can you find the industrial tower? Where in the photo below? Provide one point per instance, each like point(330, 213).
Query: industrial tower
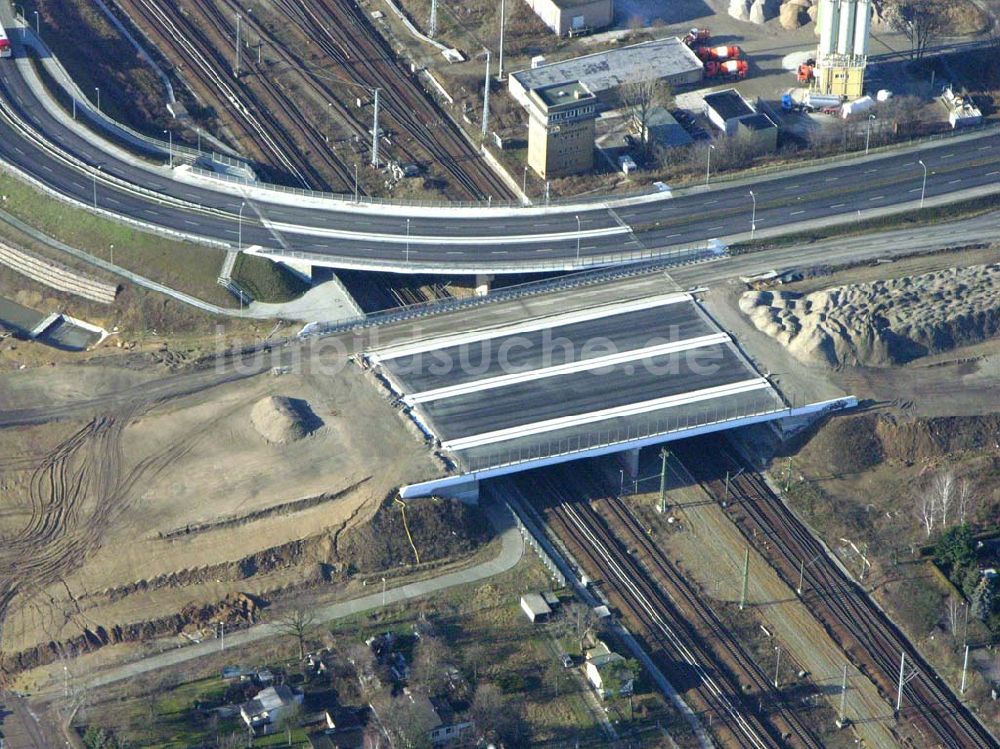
point(843, 27)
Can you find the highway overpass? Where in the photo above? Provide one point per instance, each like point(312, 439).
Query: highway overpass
point(42, 144)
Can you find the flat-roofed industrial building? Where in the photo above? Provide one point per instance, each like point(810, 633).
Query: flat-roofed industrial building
point(561, 129)
point(567, 17)
point(603, 73)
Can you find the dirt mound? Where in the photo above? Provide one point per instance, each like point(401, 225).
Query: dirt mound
point(884, 323)
point(280, 420)
point(852, 444)
point(441, 528)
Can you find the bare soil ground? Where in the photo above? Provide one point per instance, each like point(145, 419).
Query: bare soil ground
point(129, 517)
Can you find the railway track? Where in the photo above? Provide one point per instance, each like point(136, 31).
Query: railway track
point(346, 35)
point(181, 40)
point(929, 705)
point(657, 599)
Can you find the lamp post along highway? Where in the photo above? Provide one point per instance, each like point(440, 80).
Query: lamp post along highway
point(407, 241)
point(355, 183)
point(868, 135)
point(375, 133)
point(524, 182)
point(923, 188)
point(578, 238)
point(170, 146)
point(98, 169)
point(753, 217)
point(38, 26)
point(239, 230)
point(708, 167)
point(98, 90)
point(503, 14)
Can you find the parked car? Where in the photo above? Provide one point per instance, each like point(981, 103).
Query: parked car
point(567, 660)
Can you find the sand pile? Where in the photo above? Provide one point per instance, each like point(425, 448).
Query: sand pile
point(279, 420)
point(883, 323)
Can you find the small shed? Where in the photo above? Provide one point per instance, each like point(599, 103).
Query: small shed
point(535, 607)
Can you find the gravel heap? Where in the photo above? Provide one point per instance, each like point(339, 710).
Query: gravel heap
point(884, 323)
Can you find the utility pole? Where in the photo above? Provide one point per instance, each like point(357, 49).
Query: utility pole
point(725, 497)
point(802, 573)
point(236, 70)
point(432, 32)
point(486, 97)
point(746, 580)
point(842, 719)
point(904, 679)
point(664, 456)
point(965, 668)
point(777, 664)
point(503, 19)
point(375, 133)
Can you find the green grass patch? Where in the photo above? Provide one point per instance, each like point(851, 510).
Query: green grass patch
point(183, 266)
point(908, 219)
point(266, 280)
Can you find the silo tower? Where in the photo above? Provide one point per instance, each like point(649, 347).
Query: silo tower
point(843, 27)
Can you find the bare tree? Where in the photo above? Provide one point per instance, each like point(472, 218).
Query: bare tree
point(431, 663)
point(927, 509)
point(954, 606)
point(920, 21)
point(639, 96)
point(943, 489)
point(966, 499)
point(296, 624)
point(362, 658)
point(579, 620)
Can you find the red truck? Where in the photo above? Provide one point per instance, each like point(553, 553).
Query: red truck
point(706, 54)
point(727, 69)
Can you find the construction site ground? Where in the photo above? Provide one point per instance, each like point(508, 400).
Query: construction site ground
point(151, 506)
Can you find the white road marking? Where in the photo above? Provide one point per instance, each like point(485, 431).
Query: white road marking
point(838, 205)
point(606, 310)
point(475, 440)
point(831, 179)
point(955, 180)
point(595, 362)
point(990, 174)
point(985, 148)
point(796, 213)
point(877, 197)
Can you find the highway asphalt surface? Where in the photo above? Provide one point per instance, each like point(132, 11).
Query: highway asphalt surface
point(585, 392)
point(547, 348)
point(497, 239)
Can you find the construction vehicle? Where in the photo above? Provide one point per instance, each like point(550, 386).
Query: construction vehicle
point(705, 54)
point(697, 38)
point(728, 69)
point(807, 71)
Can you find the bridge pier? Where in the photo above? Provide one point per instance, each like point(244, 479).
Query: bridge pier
point(629, 460)
point(300, 268)
point(483, 281)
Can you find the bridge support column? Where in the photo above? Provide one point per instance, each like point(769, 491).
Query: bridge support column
point(300, 268)
point(630, 463)
point(483, 281)
point(467, 492)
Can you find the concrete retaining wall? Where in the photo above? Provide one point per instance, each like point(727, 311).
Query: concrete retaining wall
point(57, 276)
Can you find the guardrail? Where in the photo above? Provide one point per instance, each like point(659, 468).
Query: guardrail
point(674, 256)
point(531, 288)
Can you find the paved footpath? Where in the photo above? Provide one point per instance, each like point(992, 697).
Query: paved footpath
point(512, 548)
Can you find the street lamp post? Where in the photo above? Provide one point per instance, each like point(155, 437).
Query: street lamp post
point(383, 592)
point(96, 171)
point(578, 238)
point(524, 182)
point(868, 135)
point(753, 218)
point(407, 241)
point(355, 183)
point(708, 167)
point(170, 146)
point(98, 90)
point(923, 188)
point(38, 26)
point(239, 230)
point(111, 248)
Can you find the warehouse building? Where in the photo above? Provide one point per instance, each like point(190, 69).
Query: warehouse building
point(734, 115)
point(571, 17)
point(604, 72)
point(561, 129)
